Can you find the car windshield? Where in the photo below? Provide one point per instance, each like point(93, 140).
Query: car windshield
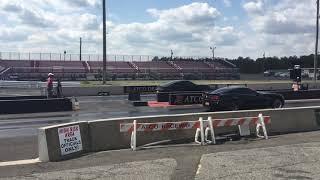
point(175, 82)
point(223, 90)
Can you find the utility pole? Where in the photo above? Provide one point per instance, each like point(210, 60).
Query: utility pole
point(80, 48)
point(316, 46)
point(212, 49)
point(171, 55)
point(104, 73)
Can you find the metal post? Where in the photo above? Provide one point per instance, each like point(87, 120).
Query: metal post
point(316, 45)
point(104, 43)
point(80, 47)
point(213, 48)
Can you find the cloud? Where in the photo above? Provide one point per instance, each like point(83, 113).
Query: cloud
point(227, 3)
point(195, 14)
point(12, 7)
point(285, 18)
point(186, 29)
point(13, 34)
point(254, 7)
point(34, 18)
point(88, 22)
point(283, 27)
point(84, 3)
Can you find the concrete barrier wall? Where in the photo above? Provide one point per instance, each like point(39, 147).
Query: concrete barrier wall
point(282, 121)
point(89, 91)
point(120, 90)
point(49, 144)
point(105, 134)
point(25, 105)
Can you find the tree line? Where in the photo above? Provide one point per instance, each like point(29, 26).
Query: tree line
point(259, 65)
point(251, 66)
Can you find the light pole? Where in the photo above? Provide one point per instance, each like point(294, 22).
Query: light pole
point(171, 54)
point(316, 45)
point(212, 49)
point(104, 43)
point(64, 55)
point(80, 48)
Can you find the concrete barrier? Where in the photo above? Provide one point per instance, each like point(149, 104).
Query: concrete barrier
point(105, 134)
point(52, 146)
point(120, 90)
point(89, 91)
point(283, 121)
point(17, 106)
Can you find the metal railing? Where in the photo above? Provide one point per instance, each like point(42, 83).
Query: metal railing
point(87, 57)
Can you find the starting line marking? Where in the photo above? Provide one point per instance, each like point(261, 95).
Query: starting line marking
point(19, 162)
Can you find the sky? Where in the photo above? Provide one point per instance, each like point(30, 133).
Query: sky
point(247, 28)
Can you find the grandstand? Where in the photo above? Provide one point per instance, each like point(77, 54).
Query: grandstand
point(27, 66)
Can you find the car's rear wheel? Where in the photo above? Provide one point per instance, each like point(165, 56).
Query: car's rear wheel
point(234, 107)
point(277, 103)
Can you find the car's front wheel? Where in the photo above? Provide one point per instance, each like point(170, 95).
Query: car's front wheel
point(277, 103)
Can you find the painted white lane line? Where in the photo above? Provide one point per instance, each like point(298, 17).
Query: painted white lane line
point(198, 170)
point(19, 162)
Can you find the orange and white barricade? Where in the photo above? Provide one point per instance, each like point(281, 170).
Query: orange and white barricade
point(242, 123)
point(162, 126)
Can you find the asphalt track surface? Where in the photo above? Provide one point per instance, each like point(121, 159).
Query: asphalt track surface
point(291, 156)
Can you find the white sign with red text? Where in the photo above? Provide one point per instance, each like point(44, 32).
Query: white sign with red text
point(70, 139)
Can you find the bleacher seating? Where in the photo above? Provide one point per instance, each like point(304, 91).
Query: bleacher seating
point(155, 66)
point(113, 67)
point(193, 66)
point(76, 70)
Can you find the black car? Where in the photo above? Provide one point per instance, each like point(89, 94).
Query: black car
point(178, 86)
point(238, 98)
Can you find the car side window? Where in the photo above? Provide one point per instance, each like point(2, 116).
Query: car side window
point(185, 85)
point(244, 91)
point(248, 91)
point(178, 86)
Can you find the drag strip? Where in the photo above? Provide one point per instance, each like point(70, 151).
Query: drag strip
point(22, 128)
point(97, 107)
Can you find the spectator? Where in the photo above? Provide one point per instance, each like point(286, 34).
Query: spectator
point(50, 85)
point(59, 89)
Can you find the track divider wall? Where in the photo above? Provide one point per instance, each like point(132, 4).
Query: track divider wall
point(104, 134)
